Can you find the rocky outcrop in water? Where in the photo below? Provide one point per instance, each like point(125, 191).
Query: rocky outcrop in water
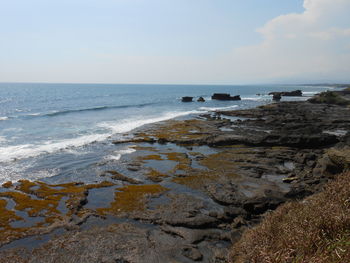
point(187, 99)
point(224, 96)
point(294, 93)
point(201, 99)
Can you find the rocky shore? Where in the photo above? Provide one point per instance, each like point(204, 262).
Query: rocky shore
point(189, 191)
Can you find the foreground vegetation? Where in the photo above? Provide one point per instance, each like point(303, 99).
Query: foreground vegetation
point(316, 229)
point(330, 97)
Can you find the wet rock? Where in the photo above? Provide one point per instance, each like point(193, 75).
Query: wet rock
point(260, 204)
point(276, 97)
point(298, 192)
point(288, 180)
point(192, 253)
point(201, 99)
point(225, 194)
point(182, 211)
point(120, 177)
point(187, 99)
point(194, 236)
point(295, 93)
point(224, 96)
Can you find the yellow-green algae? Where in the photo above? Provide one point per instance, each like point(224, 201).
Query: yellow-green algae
point(154, 157)
point(176, 130)
point(132, 198)
point(155, 175)
point(144, 148)
point(45, 203)
point(200, 179)
point(8, 184)
point(218, 166)
point(7, 216)
point(184, 163)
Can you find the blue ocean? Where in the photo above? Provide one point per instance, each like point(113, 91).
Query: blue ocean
point(63, 132)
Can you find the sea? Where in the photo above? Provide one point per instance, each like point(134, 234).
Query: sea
point(64, 132)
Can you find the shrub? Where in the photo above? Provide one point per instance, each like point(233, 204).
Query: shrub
point(316, 230)
point(329, 97)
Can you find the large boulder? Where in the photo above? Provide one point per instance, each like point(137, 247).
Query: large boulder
point(294, 93)
point(187, 99)
point(277, 97)
point(201, 99)
point(224, 96)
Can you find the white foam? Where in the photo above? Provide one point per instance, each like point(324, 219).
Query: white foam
point(129, 125)
point(217, 108)
point(127, 151)
point(10, 153)
point(118, 154)
point(4, 118)
point(11, 172)
point(253, 98)
point(310, 92)
point(114, 157)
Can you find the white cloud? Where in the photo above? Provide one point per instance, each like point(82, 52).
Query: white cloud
point(312, 45)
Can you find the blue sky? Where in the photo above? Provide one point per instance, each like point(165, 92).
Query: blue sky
point(162, 41)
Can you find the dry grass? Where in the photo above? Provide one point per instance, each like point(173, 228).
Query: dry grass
point(329, 97)
point(314, 230)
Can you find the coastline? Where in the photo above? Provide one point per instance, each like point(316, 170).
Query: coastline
point(191, 188)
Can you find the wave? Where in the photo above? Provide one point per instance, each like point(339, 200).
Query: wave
point(64, 112)
point(129, 125)
point(56, 113)
point(12, 153)
point(255, 98)
point(218, 108)
point(14, 173)
point(4, 118)
point(310, 93)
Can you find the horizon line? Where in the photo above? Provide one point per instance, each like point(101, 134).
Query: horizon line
point(172, 84)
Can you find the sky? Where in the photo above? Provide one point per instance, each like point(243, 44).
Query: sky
point(175, 41)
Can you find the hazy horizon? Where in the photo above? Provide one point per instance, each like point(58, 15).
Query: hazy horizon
point(231, 42)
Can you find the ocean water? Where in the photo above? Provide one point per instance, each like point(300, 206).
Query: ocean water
point(63, 132)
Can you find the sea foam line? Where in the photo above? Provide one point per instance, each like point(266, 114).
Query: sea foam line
point(11, 153)
point(218, 108)
point(126, 126)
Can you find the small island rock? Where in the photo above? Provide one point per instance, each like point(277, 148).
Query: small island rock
point(187, 99)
